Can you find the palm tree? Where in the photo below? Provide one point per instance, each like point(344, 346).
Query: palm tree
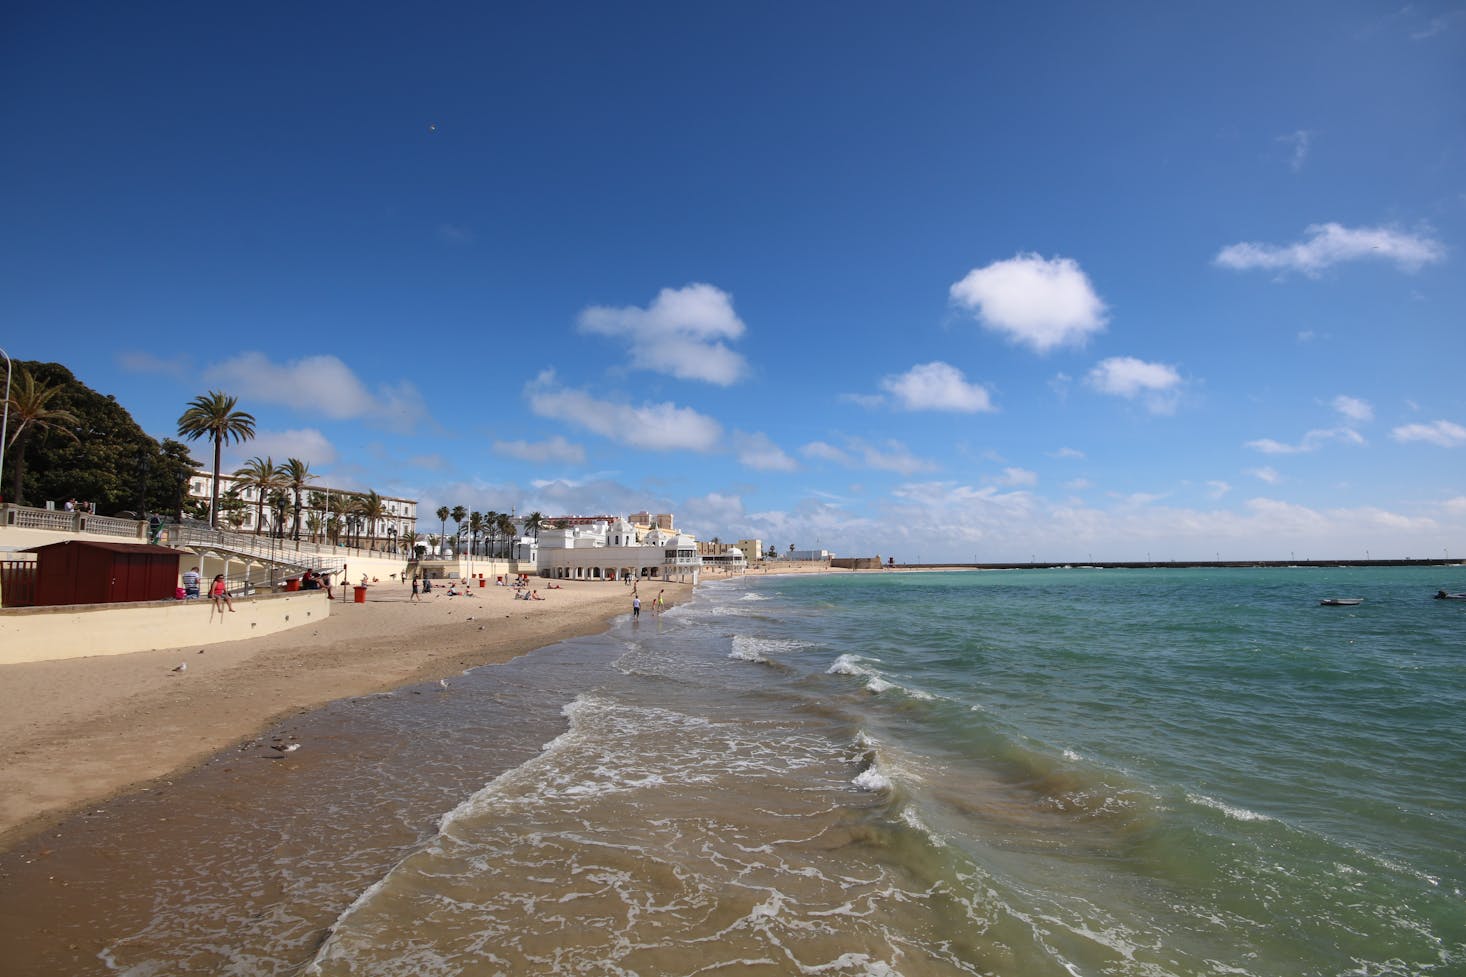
point(298, 473)
point(283, 507)
point(409, 541)
point(442, 514)
point(261, 475)
point(506, 526)
point(214, 415)
point(313, 525)
point(532, 524)
point(475, 526)
point(459, 514)
point(29, 402)
point(491, 531)
point(372, 509)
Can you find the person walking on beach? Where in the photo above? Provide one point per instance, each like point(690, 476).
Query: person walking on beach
point(415, 595)
point(661, 604)
point(191, 580)
point(635, 606)
point(219, 594)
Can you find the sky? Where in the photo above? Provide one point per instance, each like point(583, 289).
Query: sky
point(939, 281)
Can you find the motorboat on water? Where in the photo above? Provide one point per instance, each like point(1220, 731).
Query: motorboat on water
point(1341, 601)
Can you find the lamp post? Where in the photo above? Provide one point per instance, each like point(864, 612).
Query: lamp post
point(5, 418)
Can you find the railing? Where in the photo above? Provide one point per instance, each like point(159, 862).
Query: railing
point(26, 517)
point(266, 549)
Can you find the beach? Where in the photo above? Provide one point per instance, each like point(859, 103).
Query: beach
point(79, 731)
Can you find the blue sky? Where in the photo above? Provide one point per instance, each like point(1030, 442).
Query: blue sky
point(942, 281)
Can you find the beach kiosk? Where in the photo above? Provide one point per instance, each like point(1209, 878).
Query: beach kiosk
point(78, 571)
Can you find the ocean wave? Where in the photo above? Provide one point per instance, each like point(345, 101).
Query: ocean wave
point(847, 665)
point(750, 648)
point(1231, 811)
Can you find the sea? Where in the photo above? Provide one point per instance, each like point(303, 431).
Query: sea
point(1065, 772)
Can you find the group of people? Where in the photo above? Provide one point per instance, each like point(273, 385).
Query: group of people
point(74, 506)
point(218, 589)
point(659, 603)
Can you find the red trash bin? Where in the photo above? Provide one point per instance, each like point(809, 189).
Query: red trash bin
point(360, 597)
point(292, 585)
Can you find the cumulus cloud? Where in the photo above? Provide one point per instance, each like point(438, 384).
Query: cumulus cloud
point(1443, 433)
point(554, 449)
point(1354, 408)
point(1266, 474)
point(937, 386)
point(307, 444)
point(1217, 489)
point(652, 427)
point(1125, 376)
point(1330, 244)
point(681, 333)
point(1039, 303)
point(758, 452)
point(320, 385)
point(1017, 478)
point(1312, 441)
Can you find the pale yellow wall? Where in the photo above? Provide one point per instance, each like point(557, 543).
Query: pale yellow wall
point(29, 634)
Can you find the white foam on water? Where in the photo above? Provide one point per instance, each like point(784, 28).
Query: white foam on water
point(876, 685)
point(847, 665)
point(872, 780)
point(748, 648)
point(752, 596)
point(1235, 813)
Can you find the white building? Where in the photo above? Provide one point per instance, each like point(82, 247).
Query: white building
point(399, 516)
point(613, 550)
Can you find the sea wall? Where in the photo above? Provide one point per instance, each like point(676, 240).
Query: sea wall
point(29, 634)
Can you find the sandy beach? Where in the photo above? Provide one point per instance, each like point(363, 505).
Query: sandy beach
point(81, 730)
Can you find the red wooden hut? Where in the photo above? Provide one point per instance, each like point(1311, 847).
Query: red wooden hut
point(77, 571)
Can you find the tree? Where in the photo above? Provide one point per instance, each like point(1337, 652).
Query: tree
point(261, 475)
point(491, 531)
point(442, 514)
point(297, 473)
point(506, 528)
point(532, 524)
point(32, 413)
point(459, 514)
point(372, 510)
point(475, 526)
point(214, 416)
point(410, 542)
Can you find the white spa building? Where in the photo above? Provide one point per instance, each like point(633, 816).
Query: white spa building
point(613, 549)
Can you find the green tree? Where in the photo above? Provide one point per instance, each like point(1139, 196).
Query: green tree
point(297, 473)
point(31, 412)
point(532, 524)
point(459, 514)
point(475, 526)
point(442, 514)
point(214, 416)
point(262, 475)
point(506, 527)
point(372, 510)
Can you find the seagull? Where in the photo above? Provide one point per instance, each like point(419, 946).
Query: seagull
point(290, 748)
point(443, 682)
point(180, 667)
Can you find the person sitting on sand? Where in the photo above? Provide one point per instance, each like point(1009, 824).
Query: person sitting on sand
point(219, 594)
point(535, 595)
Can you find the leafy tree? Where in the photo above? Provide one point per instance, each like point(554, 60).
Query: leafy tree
point(371, 509)
point(297, 473)
point(214, 416)
point(475, 526)
point(442, 514)
point(262, 475)
point(31, 412)
point(532, 524)
point(459, 514)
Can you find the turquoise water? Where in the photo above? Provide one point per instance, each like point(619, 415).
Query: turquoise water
point(1023, 773)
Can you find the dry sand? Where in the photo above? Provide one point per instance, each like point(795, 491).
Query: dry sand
point(84, 729)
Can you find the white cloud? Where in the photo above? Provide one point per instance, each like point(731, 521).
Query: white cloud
point(653, 427)
point(319, 385)
point(141, 361)
point(892, 456)
point(1017, 478)
point(1331, 244)
point(1353, 408)
point(1299, 141)
point(1443, 433)
point(1128, 377)
point(1312, 441)
point(555, 449)
point(1078, 484)
point(758, 452)
point(1039, 303)
point(1073, 453)
point(937, 386)
point(681, 333)
point(1266, 474)
point(307, 444)
point(1217, 489)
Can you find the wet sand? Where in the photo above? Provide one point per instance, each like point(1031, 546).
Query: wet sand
point(80, 731)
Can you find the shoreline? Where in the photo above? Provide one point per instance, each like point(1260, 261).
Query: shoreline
point(84, 731)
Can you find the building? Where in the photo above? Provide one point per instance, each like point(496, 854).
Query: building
point(753, 549)
point(613, 550)
point(399, 516)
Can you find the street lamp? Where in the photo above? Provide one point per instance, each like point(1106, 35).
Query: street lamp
point(5, 420)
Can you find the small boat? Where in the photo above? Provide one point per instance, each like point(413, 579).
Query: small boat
point(1341, 601)
point(1442, 595)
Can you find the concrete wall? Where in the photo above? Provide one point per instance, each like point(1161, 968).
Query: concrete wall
point(29, 634)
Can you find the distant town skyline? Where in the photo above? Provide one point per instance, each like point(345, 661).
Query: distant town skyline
point(1056, 282)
